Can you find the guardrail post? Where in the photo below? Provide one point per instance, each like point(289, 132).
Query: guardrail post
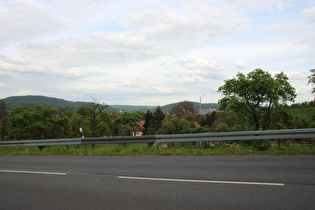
point(82, 136)
point(26, 149)
point(81, 132)
point(161, 147)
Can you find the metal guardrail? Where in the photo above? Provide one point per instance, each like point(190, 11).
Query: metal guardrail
point(221, 136)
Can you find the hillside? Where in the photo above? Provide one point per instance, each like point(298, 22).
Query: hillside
point(31, 101)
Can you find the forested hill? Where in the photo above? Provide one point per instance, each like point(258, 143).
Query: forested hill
point(31, 101)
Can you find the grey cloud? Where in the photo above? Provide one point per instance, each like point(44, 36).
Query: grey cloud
point(24, 22)
point(202, 68)
point(160, 33)
point(204, 23)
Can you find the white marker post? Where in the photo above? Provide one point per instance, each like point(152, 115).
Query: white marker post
point(81, 132)
point(82, 136)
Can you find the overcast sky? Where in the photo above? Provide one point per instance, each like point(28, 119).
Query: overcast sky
point(147, 52)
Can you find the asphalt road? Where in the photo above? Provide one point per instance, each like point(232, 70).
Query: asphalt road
point(166, 182)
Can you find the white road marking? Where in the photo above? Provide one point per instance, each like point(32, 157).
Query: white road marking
point(200, 181)
point(33, 172)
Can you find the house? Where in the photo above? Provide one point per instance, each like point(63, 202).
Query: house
point(140, 128)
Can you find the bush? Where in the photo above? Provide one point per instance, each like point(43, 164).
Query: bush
point(222, 127)
point(261, 145)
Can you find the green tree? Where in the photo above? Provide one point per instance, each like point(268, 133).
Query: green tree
point(158, 117)
point(153, 122)
point(177, 125)
point(149, 124)
point(4, 120)
point(20, 120)
point(131, 117)
point(129, 120)
point(106, 125)
point(209, 119)
point(312, 79)
point(92, 115)
point(184, 109)
point(251, 97)
point(77, 121)
point(281, 117)
point(227, 118)
point(40, 123)
point(120, 129)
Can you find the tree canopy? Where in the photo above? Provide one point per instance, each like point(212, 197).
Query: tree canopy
point(40, 123)
point(94, 114)
point(4, 118)
point(312, 79)
point(153, 121)
point(184, 109)
point(253, 96)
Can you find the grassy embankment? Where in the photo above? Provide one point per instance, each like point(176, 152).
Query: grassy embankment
point(143, 149)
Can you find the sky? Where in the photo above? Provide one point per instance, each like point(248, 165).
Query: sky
point(151, 52)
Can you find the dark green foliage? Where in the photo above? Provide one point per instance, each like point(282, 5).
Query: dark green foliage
point(222, 127)
point(281, 117)
point(127, 123)
point(153, 122)
point(312, 79)
point(149, 124)
point(94, 116)
point(4, 119)
point(121, 129)
point(131, 117)
point(252, 97)
point(304, 113)
point(158, 117)
point(178, 125)
point(32, 101)
point(40, 123)
point(209, 119)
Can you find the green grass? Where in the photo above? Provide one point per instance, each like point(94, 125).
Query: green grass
point(143, 149)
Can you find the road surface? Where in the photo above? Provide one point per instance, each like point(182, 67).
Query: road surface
point(158, 182)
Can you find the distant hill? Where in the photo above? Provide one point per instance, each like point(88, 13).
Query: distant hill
point(168, 107)
point(32, 100)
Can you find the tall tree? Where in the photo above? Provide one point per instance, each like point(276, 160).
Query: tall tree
point(4, 119)
point(92, 114)
point(312, 79)
point(149, 124)
point(158, 117)
point(184, 109)
point(252, 96)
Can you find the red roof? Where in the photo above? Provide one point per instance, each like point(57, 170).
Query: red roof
point(141, 123)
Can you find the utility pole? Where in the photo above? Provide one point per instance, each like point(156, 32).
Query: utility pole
point(200, 103)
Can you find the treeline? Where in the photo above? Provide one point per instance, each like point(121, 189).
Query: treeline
point(24, 123)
